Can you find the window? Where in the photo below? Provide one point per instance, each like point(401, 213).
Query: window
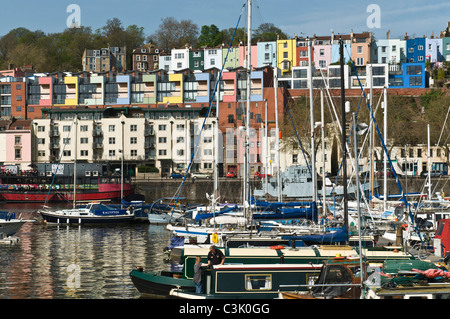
point(207, 151)
point(180, 127)
point(162, 139)
point(133, 152)
point(420, 47)
point(207, 139)
point(360, 49)
point(66, 141)
point(394, 48)
point(285, 55)
point(112, 140)
point(84, 153)
point(258, 282)
point(415, 81)
point(67, 153)
point(112, 152)
point(212, 61)
point(359, 61)
point(133, 128)
point(162, 152)
point(112, 128)
point(322, 52)
point(322, 63)
point(66, 128)
point(180, 152)
point(420, 58)
point(133, 140)
point(41, 128)
point(180, 139)
point(17, 140)
point(84, 128)
point(41, 141)
point(83, 140)
point(17, 153)
point(162, 127)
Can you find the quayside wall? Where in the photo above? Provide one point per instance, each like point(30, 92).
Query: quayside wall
point(195, 191)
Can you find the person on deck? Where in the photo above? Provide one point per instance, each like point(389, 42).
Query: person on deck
point(198, 274)
point(215, 256)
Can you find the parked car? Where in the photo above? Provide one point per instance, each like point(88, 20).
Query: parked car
point(259, 175)
point(231, 175)
point(176, 176)
point(200, 175)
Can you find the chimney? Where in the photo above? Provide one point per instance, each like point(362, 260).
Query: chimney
point(406, 35)
point(351, 33)
point(388, 34)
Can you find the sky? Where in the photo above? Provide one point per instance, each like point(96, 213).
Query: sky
point(294, 17)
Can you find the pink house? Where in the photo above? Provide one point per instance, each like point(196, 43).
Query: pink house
point(46, 86)
point(229, 86)
point(322, 56)
point(18, 144)
point(243, 55)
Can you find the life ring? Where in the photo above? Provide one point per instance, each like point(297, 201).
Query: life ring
point(215, 238)
point(405, 226)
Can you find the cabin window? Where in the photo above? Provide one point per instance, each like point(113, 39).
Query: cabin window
point(258, 282)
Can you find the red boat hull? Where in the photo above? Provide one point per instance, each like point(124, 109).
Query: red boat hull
point(104, 192)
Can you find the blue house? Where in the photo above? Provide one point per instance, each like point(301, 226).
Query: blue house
point(411, 75)
point(415, 50)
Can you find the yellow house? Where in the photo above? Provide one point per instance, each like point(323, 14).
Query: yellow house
point(286, 55)
point(176, 94)
point(71, 93)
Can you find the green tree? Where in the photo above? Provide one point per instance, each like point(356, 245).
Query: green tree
point(268, 32)
point(210, 36)
point(239, 36)
point(174, 34)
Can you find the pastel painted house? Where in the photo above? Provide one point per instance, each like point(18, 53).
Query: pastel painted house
point(266, 54)
point(446, 48)
point(322, 56)
point(230, 57)
point(243, 49)
point(92, 90)
point(18, 144)
point(433, 50)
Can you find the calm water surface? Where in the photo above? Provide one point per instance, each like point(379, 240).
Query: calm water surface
point(70, 262)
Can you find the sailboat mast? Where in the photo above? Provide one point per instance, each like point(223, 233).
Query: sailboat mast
point(247, 117)
point(216, 147)
point(344, 137)
point(385, 156)
point(75, 164)
point(277, 130)
point(311, 108)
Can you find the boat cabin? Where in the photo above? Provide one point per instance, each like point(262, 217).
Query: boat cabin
point(250, 281)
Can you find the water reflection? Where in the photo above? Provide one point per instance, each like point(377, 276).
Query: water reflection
point(59, 262)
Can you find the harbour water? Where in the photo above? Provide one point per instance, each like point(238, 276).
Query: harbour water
point(77, 262)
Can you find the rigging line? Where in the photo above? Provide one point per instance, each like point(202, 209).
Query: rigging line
point(59, 163)
point(207, 113)
point(295, 130)
point(404, 199)
point(443, 126)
